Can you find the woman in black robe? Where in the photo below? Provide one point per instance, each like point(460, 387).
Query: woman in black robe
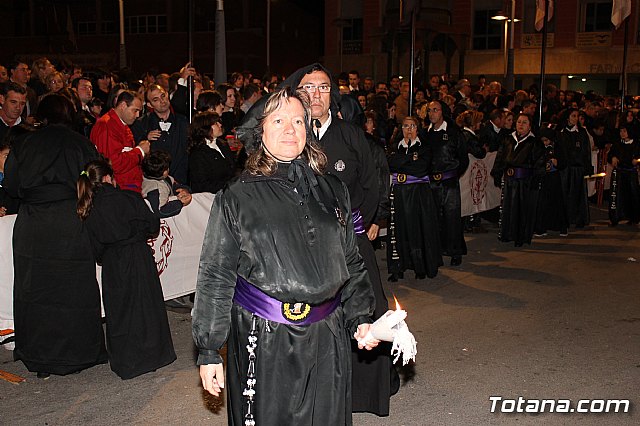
point(518, 168)
point(349, 158)
point(624, 156)
point(56, 299)
point(119, 224)
point(414, 236)
point(573, 142)
point(551, 214)
point(281, 278)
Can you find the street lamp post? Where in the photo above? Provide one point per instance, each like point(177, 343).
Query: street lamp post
point(509, 34)
point(510, 81)
point(123, 49)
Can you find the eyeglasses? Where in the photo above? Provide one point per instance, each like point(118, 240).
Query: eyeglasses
point(311, 88)
point(409, 126)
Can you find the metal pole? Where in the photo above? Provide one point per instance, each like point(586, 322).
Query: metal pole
point(510, 57)
point(191, 101)
point(123, 48)
point(268, 35)
point(542, 61)
point(413, 50)
point(623, 74)
point(220, 45)
point(506, 48)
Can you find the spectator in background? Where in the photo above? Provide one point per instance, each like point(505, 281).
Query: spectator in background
point(15, 100)
point(165, 194)
point(402, 102)
point(251, 94)
point(210, 100)
point(20, 75)
point(114, 140)
point(4, 76)
point(165, 130)
point(211, 161)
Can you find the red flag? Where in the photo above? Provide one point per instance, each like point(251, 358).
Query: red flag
point(540, 13)
point(620, 10)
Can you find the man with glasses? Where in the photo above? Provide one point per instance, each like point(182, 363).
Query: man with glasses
point(349, 158)
point(450, 160)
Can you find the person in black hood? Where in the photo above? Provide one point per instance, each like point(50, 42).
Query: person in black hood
point(349, 158)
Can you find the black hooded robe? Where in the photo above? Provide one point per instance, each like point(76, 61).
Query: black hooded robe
point(349, 157)
point(294, 249)
point(519, 194)
point(138, 334)
point(56, 299)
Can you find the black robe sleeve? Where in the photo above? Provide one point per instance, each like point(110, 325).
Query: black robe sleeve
point(216, 280)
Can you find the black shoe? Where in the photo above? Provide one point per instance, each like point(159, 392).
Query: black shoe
point(43, 376)
point(393, 278)
point(420, 276)
point(456, 260)
point(518, 244)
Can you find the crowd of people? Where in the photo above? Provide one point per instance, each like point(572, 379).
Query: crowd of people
point(308, 169)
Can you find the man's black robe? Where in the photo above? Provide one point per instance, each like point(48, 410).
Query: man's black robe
point(576, 149)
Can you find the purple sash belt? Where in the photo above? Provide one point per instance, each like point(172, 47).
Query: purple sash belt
point(403, 179)
point(358, 221)
point(518, 173)
point(449, 174)
point(261, 304)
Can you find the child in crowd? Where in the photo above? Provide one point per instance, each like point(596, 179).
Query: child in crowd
point(119, 224)
point(160, 188)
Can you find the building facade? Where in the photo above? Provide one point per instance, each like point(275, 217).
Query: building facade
point(459, 37)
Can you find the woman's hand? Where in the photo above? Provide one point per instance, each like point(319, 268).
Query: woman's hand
point(372, 233)
point(212, 376)
point(614, 162)
point(361, 333)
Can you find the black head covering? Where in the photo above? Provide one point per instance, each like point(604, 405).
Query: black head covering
point(546, 132)
point(351, 110)
point(245, 131)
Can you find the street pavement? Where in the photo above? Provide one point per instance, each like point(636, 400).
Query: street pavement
point(557, 319)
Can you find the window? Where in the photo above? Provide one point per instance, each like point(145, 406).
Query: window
point(144, 24)
point(487, 32)
point(87, 28)
point(352, 37)
point(595, 16)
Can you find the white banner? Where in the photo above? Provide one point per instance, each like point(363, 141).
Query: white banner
point(176, 251)
point(477, 191)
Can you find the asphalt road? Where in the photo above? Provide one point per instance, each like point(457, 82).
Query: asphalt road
point(557, 319)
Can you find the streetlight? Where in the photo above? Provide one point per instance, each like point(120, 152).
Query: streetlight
point(508, 49)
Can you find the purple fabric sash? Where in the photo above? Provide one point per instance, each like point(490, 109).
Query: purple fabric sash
point(358, 221)
point(404, 179)
point(261, 304)
point(518, 173)
point(449, 174)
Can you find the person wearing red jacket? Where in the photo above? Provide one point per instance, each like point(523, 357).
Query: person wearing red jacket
point(114, 140)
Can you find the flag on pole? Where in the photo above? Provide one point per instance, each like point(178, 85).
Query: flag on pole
point(540, 13)
point(620, 11)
